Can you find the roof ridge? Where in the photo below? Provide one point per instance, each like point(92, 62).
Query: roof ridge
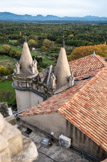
point(81, 58)
point(100, 58)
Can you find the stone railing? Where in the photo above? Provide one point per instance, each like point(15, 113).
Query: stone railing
point(28, 84)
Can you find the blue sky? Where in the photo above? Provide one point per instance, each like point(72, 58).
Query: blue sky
point(56, 7)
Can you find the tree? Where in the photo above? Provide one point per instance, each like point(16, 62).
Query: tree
point(2, 70)
point(48, 44)
point(6, 72)
point(71, 36)
point(43, 48)
point(32, 43)
point(13, 42)
point(17, 54)
point(34, 37)
point(87, 50)
point(6, 49)
point(12, 53)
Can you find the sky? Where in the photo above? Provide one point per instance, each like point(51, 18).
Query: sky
point(60, 8)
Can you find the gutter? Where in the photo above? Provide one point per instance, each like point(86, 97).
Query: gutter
point(85, 154)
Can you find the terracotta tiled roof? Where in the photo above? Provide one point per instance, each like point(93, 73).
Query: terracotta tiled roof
point(87, 66)
point(85, 104)
point(87, 110)
point(52, 104)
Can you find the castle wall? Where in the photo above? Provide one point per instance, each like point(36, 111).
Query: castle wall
point(27, 99)
point(83, 142)
point(57, 124)
point(48, 122)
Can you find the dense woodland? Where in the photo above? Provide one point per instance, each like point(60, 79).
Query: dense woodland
point(75, 34)
point(48, 37)
point(45, 41)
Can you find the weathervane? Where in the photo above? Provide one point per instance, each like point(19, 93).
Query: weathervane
point(63, 40)
point(25, 37)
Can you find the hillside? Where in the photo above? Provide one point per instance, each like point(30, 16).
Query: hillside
point(7, 16)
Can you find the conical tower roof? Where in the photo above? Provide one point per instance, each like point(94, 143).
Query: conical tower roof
point(62, 69)
point(25, 60)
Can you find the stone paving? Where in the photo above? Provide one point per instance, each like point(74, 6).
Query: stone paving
point(55, 153)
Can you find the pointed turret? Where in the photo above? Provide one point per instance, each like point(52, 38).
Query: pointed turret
point(26, 67)
point(63, 73)
point(62, 70)
point(26, 58)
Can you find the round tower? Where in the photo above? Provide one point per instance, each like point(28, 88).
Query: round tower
point(24, 73)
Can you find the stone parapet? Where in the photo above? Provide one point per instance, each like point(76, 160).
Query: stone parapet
point(33, 85)
point(27, 153)
point(13, 145)
point(1, 123)
point(13, 137)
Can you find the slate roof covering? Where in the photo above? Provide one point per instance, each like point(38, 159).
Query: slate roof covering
point(87, 110)
point(85, 104)
point(87, 66)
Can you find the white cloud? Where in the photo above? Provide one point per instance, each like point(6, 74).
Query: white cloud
point(56, 7)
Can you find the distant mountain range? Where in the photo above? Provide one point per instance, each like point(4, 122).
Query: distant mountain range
point(7, 16)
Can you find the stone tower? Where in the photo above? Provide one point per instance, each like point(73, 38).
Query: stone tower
point(32, 87)
point(24, 73)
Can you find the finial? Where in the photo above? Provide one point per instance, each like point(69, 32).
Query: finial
point(25, 37)
point(63, 41)
point(94, 53)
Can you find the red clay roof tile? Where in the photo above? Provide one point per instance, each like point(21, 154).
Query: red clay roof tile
point(87, 66)
point(85, 104)
point(52, 104)
point(92, 113)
